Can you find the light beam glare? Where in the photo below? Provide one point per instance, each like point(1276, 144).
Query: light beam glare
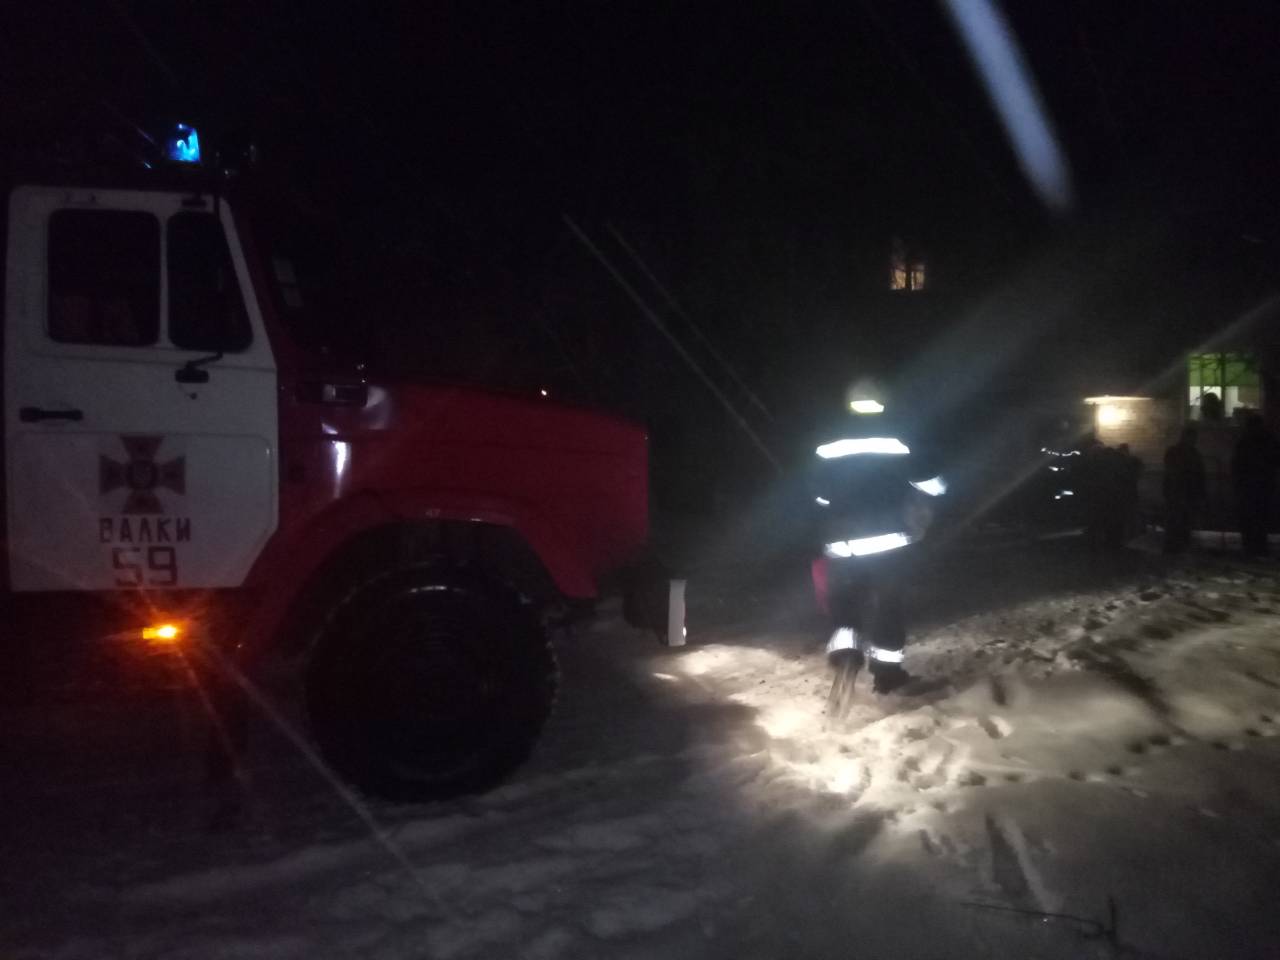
point(362, 810)
point(1013, 93)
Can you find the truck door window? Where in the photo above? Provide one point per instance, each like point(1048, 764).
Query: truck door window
point(104, 277)
point(206, 309)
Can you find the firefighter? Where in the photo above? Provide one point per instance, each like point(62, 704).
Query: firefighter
point(875, 499)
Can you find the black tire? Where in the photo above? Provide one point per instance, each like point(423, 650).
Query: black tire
point(427, 683)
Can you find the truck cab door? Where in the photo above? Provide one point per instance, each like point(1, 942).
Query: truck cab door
point(140, 421)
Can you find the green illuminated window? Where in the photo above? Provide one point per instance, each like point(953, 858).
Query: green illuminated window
point(1231, 377)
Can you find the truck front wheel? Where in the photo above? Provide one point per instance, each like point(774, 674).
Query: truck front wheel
point(427, 683)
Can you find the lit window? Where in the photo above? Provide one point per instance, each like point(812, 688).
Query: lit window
point(906, 270)
point(1221, 383)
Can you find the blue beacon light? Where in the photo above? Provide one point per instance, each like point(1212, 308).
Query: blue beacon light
point(184, 147)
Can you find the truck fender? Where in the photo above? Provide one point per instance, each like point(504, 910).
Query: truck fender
point(286, 566)
point(571, 576)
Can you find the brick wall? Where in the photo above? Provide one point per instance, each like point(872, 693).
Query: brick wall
point(1148, 425)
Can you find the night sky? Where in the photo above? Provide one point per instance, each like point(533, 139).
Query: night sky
point(760, 160)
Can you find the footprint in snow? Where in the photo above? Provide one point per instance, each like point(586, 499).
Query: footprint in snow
point(1265, 681)
point(937, 845)
point(1265, 728)
point(999, 695)
point(997, 728)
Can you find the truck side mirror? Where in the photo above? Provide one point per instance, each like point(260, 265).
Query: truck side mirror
point(193, 371)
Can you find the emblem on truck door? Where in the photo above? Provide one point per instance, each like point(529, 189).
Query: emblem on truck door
point(142, 475)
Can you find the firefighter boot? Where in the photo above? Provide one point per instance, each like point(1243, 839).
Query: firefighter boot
point(844, 653)
point(888, 677)
point(846, 662)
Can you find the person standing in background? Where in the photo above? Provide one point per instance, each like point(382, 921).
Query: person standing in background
point(1184, 490)
point(1131, 476)
point(1253, 470)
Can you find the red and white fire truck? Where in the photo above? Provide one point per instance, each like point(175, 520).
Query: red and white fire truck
point(168, 445)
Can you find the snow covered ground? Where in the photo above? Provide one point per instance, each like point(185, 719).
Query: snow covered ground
point(1110, 734)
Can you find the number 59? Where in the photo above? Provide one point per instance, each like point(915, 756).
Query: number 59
point(156, 567)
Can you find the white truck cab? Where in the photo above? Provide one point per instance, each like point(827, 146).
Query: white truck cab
point(141, 429)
